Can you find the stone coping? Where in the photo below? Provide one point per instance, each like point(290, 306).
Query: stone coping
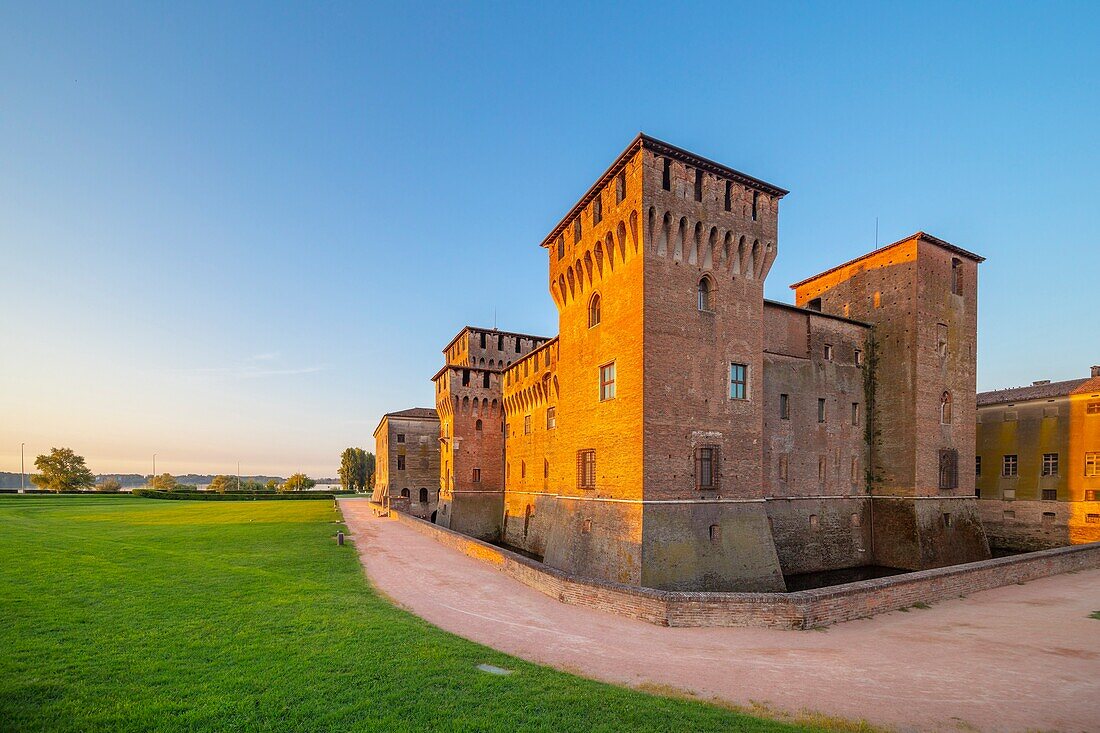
point(803, 609)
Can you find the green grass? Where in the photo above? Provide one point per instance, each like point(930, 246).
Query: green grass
point(135, 615)
point(1095, 615)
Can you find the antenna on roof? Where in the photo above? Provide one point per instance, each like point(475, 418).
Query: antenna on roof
point(876, 232)
point(494, 319)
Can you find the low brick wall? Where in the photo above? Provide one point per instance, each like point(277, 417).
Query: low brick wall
point(799, 610)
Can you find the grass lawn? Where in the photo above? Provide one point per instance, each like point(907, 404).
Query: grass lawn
point(138, 614)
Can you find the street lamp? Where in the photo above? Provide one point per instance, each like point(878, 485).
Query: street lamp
point(154, 466)
point(22, 470)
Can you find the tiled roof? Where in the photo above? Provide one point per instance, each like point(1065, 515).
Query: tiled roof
point(427, 413)
point(1033, 392)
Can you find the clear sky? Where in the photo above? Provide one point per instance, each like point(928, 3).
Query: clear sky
point(243, 232)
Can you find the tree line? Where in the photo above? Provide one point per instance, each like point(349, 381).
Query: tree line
point(63, 470)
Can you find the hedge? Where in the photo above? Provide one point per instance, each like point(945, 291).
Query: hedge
point(237, 495)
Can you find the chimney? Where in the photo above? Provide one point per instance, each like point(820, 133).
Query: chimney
point(1096, 371)
point(1040, 383)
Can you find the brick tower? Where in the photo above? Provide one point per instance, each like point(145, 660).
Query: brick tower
point(920, 295)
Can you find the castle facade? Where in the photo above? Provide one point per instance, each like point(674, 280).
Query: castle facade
point(683, 433)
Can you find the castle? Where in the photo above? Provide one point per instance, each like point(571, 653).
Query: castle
point(683, 433)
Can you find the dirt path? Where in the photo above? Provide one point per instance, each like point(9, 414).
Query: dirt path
point(1017, 658)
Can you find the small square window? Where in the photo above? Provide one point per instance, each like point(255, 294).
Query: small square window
point(1092, 464)
point(400, 437)
point(1092, 408)
point(715, 532)
point(1050, 495)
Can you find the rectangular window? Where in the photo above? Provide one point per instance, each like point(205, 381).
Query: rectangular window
point(597, 210)
point(821, 468)
point(956, 273)
point(977, 465)
point(1050, 494)
point(577, 229)
point(821, 409)
point(561, 246)
point(828, 352)
point(855, 413)
point(1008, 514)
point(755, 204)
point(698, 185)
point(706, 467)
point(401, 463)
point(729, 195)
point(784, 407)
point(526, 424)
point(1092, 464)
point(1092, 408)
point(477, 475)
point(1050, 464)
point(620, 187)
point(586, 469)
point(400, 437)
point(859, 357)
point(1010, 466)
point(465, 377)
point(739, 381)
point(485, 379)
point(949, 469)
point(551, 418)
point(607, 382)
point(666, 175)
point(483, 340)
point(784, 464)
point(500, 342)
point(1092, 519)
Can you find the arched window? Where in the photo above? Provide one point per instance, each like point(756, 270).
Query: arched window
point(404, 493)
point(477, 426)
point(423, 496)
point(704, 294)
point(945, 409)
point(594, 310)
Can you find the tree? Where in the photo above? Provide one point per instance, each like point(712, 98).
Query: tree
point(163, 482)
point(62, 470)
point(271, 485)
point(356, 467)
point(109, 484)
point(299, 482)
point(222, 483)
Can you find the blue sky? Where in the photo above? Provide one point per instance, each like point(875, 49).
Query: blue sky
point(244, 231)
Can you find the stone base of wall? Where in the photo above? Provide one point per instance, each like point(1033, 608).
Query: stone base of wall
point(709, 546)
point(1035, 525)
point(799, 610)
point(474, 513)
point(816, 534)
point(927, 532)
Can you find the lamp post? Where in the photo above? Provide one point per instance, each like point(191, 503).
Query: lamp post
point(238, 475)
point(22, 471)
point(154, 466)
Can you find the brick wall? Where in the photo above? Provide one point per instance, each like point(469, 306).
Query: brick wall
point(799, 610)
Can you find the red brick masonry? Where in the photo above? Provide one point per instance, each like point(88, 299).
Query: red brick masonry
point(799, 610)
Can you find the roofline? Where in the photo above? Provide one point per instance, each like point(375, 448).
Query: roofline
point(387, 415)
point(812, 312)
point(445, 367)
point(668, 150)
point(529, 354)
point(491, 330)
point(919, 236)
point(1071, 387)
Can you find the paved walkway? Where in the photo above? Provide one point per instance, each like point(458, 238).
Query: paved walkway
point(1017, 658)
